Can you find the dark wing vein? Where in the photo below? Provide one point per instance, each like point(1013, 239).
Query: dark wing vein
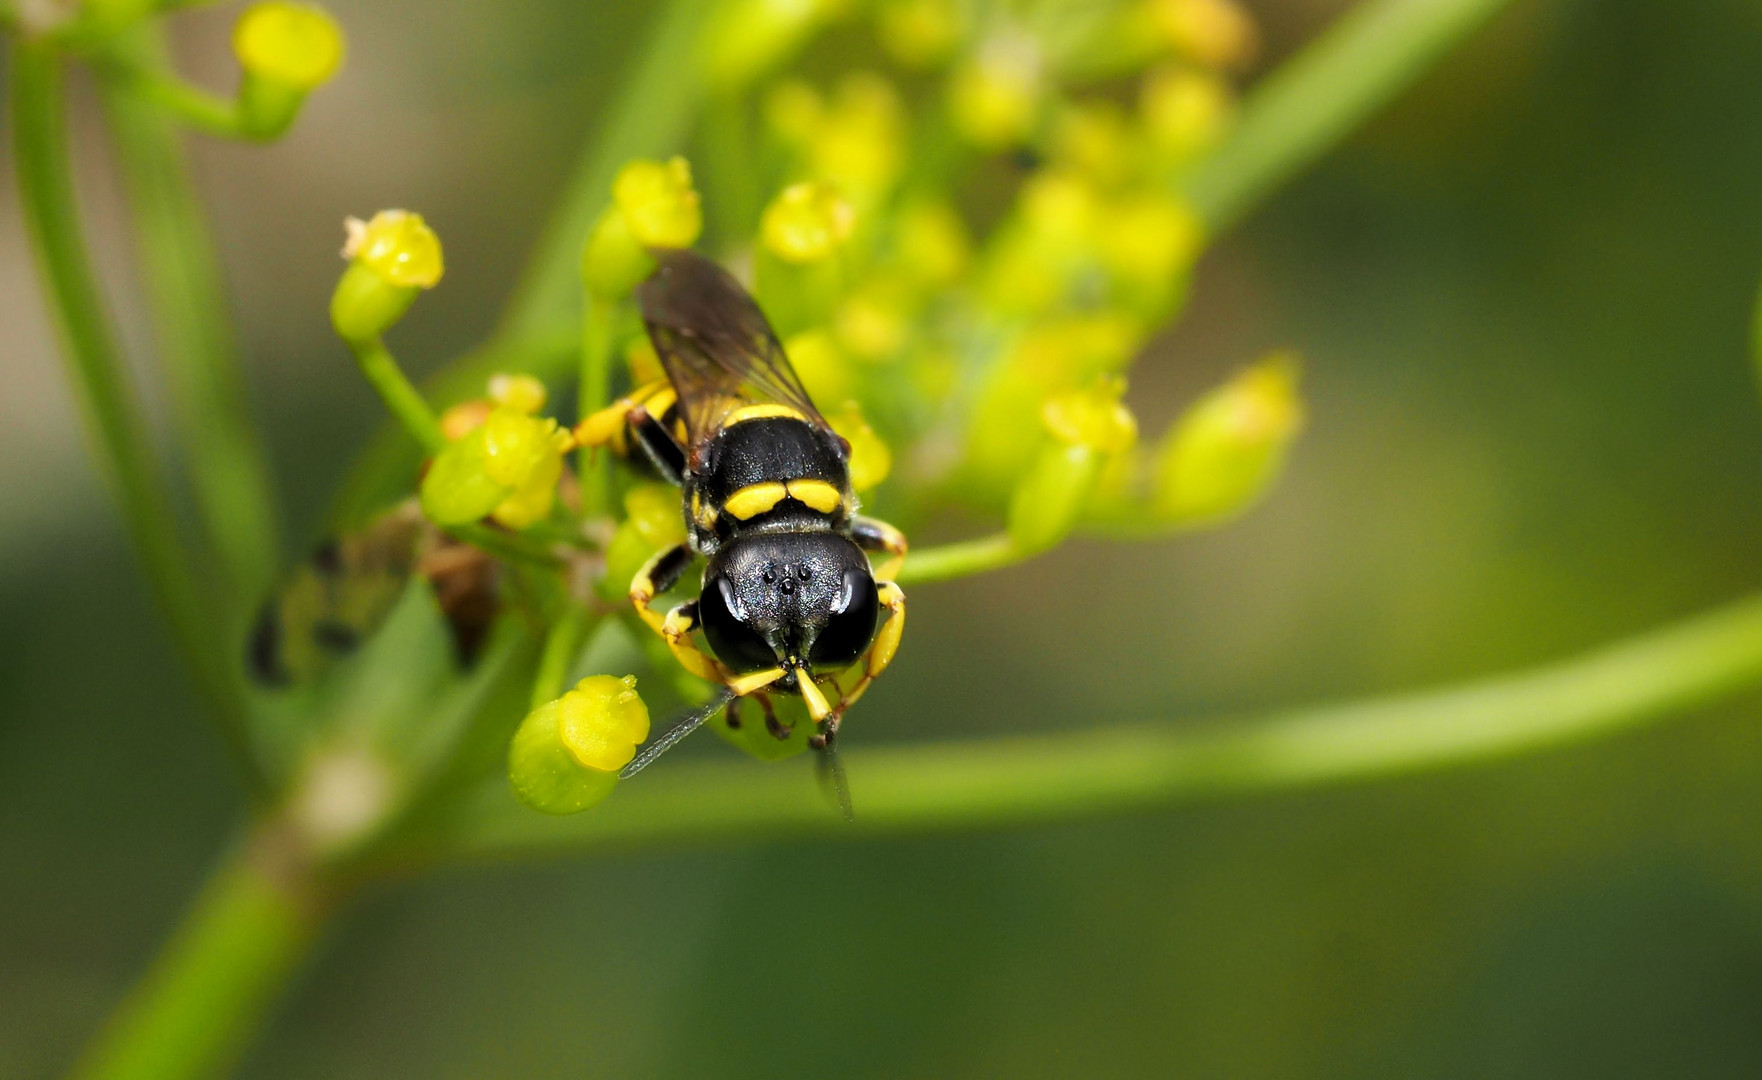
point(718, 350)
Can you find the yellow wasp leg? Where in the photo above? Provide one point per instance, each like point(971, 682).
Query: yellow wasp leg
point(872, 534)
point(605, 427)
point(881, 650)
point(657, 576)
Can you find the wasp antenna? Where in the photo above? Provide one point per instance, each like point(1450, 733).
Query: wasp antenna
point(687, 724)
point(833, 780)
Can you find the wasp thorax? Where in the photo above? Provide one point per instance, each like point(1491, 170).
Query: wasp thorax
point(789, 599)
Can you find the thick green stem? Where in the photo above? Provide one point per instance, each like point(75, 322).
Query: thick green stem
point(1299, 112)
point(112, 416)
point(561, 647)
point(196, 348)
point(999, 781)
point(205, 996)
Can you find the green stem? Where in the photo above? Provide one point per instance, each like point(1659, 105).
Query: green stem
point(205, 996)
point(402, 400)
point(112, 417)
point(651, 117)
point(960, 559)
point(1005, 780)
point(1296, 114)
point(561, 647)
point(592, 394)
point(196, 347)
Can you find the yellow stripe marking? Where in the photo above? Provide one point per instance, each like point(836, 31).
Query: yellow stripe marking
point(767, 411)
point(754, 499)
point(817, 494)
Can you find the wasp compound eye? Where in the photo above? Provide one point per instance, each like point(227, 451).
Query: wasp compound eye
point(852, 625)
point(737, 642)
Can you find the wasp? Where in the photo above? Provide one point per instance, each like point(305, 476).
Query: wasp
point(789, 598)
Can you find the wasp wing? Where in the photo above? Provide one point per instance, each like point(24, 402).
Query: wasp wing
point(719, 351)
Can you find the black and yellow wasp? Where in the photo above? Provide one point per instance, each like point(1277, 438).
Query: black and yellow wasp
point(789, 600)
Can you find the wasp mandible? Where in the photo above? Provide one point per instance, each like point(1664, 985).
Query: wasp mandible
point(789, 599)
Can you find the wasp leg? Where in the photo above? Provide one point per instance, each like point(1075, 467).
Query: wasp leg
point(872, 534)
point(879, 654)
point(657, 576)
point(635, 419)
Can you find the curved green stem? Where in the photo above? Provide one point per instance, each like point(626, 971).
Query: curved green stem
point(112, 416)
point(959, 559)
point(196, 348)
point(1299, 112)
point(594, 392)
point(196, 1009)
point(402, 400)
point(1006, 780)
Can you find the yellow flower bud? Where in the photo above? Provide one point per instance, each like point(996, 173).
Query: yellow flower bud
point(652, 521)
point(398, 246)
point(1094, 417)
point(1149, 241)
point(746, 38)
point(806, 223)
point(297, 46)
point(859, 144)
point(873, 322)
point(920, 33)
point(508, 468)
point(1185, 111)
point(1215, 33)
point(391, 259)
point(464, 418)
point(1092, 139)
point(823, 367)
point(1089, 428)
point(932, 244)
point(994, 97)
point(521, 393)
point(659, 205)
point(566, 754)
point(870, 459)
point(645, 365)
point(457, 488)
point(613, 262)
point(794, 112)
point(1228, 448)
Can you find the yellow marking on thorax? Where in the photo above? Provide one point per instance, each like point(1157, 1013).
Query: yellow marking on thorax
point(754, 499)
point(704, 515)
point(761, 412)
point(817, 494)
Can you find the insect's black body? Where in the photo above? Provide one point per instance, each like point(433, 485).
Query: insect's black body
point(789, 598)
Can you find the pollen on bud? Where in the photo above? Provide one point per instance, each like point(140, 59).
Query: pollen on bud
point(1089, 428)
point(521, 393)
point(994, 97)
point(1228, 448)
point(658, 202)
point(398, 246)
point(566, 754)
point(1215, 33)
point(297, 46)
point(1094, 417)
point(870, 459)
point(806, 223)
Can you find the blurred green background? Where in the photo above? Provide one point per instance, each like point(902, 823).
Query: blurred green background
point(1523, 295)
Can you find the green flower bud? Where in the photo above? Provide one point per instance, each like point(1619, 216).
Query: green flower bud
point(658, 203)
point(920, 33)
point(806, 223)
point(566, 754)
point(1226, 451)
point(994, 97)
point(653, 205)
point(507, 469)
point(391, 259)
point(1088, 428)
point(287, 50)
point(743, 725)
point(1213, 33)
point(652, 521)
point(1185, 111)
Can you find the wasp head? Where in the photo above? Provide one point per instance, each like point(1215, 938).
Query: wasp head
point(805, 602)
